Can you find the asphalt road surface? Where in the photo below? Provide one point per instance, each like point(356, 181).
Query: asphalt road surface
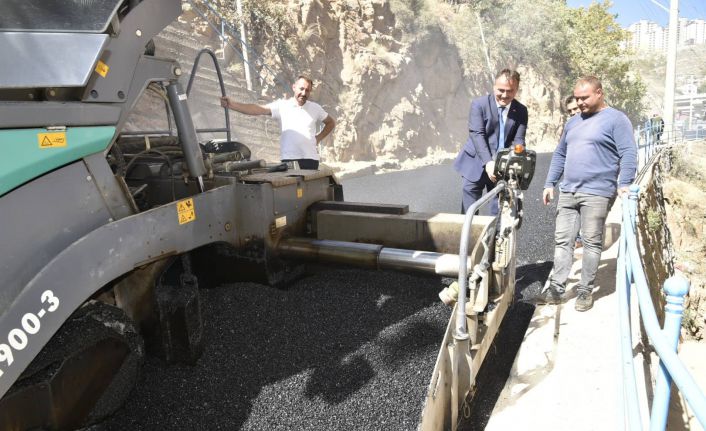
point(342, 349)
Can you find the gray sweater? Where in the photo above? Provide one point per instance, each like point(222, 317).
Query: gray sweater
point(591, 153)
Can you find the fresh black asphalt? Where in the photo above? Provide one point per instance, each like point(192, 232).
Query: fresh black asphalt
point(341, 349)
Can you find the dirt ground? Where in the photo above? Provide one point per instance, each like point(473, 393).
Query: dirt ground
point(685, 196)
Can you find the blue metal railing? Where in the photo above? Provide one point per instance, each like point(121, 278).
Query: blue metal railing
point(651, 138)
point(663, 340)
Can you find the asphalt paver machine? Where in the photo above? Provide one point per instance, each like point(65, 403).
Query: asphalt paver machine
point(105, 237)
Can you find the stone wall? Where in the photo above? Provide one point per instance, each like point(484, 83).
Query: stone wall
point(653, 233)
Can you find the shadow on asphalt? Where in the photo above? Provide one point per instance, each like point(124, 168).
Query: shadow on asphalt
point(340, 349)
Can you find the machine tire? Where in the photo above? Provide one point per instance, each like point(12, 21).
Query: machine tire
point(83, 374)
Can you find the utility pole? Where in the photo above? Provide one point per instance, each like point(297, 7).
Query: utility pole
point(692, 91)
point(243, 44)
point(485, 48)
point(670, 79)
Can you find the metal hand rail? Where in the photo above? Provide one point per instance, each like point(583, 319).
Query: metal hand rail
point(663, 340)
point(220, 83)
point(651, 139)
point(461, 332)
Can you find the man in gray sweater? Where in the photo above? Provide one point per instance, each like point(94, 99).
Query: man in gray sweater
point(597, 157)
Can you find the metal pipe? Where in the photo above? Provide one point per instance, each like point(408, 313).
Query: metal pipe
point(227, 157)
point(671, 71)
point(243, 45)
point(628, 391)
point(395, 258)
point(233, 166)
point(679, 373)
point(359, 254)
point(168, 132)
point(424, 261)
point(187, 133)
point(461, 331)
point(371, 256)
point(220, 82)
point(675, 288)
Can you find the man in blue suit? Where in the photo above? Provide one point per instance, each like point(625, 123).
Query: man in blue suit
point(496, 121)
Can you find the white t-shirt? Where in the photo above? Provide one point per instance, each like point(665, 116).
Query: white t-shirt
point(299, 125)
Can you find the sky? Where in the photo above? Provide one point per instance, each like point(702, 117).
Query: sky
point(631, 11)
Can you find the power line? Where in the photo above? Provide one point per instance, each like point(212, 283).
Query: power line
point(699, 13)
point(649, 10)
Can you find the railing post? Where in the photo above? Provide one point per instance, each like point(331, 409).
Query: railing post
point(627, 393)
point(223, 40)
point(634, 192)
point(675, 288)
point(640, 148)
point(632, 211)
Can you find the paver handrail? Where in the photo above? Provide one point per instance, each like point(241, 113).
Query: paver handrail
point(461, 330)
point(232, 31)
point(220, 83)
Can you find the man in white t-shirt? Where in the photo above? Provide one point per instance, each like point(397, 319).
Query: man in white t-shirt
point(300, 119)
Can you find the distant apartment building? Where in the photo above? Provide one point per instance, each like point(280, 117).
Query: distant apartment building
point(646, 35)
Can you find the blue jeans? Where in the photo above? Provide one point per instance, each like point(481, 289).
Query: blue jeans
point(591, 211)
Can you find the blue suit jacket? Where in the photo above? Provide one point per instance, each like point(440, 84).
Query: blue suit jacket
point(483, 135)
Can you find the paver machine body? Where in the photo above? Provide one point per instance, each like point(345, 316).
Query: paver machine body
point(105, 236)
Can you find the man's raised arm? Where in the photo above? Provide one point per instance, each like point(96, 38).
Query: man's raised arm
point(245, 108)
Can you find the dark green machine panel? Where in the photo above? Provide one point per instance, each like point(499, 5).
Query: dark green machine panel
point(28, 153)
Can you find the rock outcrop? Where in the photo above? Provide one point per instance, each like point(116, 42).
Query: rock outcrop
point(395, 96)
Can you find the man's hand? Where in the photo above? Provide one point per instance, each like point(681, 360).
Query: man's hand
point(624, 191)
point(225, 102)
point(490, 170)
point(548, 195)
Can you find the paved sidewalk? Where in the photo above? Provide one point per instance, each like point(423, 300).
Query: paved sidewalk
point(566, 373)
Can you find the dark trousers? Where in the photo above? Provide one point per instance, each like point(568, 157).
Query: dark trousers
point(473, 190)
point(305, 163)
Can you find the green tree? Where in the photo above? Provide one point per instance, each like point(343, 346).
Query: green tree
point(535, 36)
point(516, 35)
point(594, 49)
point(411, 15)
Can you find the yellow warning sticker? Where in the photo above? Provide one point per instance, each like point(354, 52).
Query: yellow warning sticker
point(185, 211)
point(102, 69)
point(300, 193)
point(51, 140)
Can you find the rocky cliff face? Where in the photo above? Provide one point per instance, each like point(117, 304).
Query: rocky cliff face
point(396, 96)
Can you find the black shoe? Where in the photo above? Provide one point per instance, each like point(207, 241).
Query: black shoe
point(549, 296)
point(584, 301)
